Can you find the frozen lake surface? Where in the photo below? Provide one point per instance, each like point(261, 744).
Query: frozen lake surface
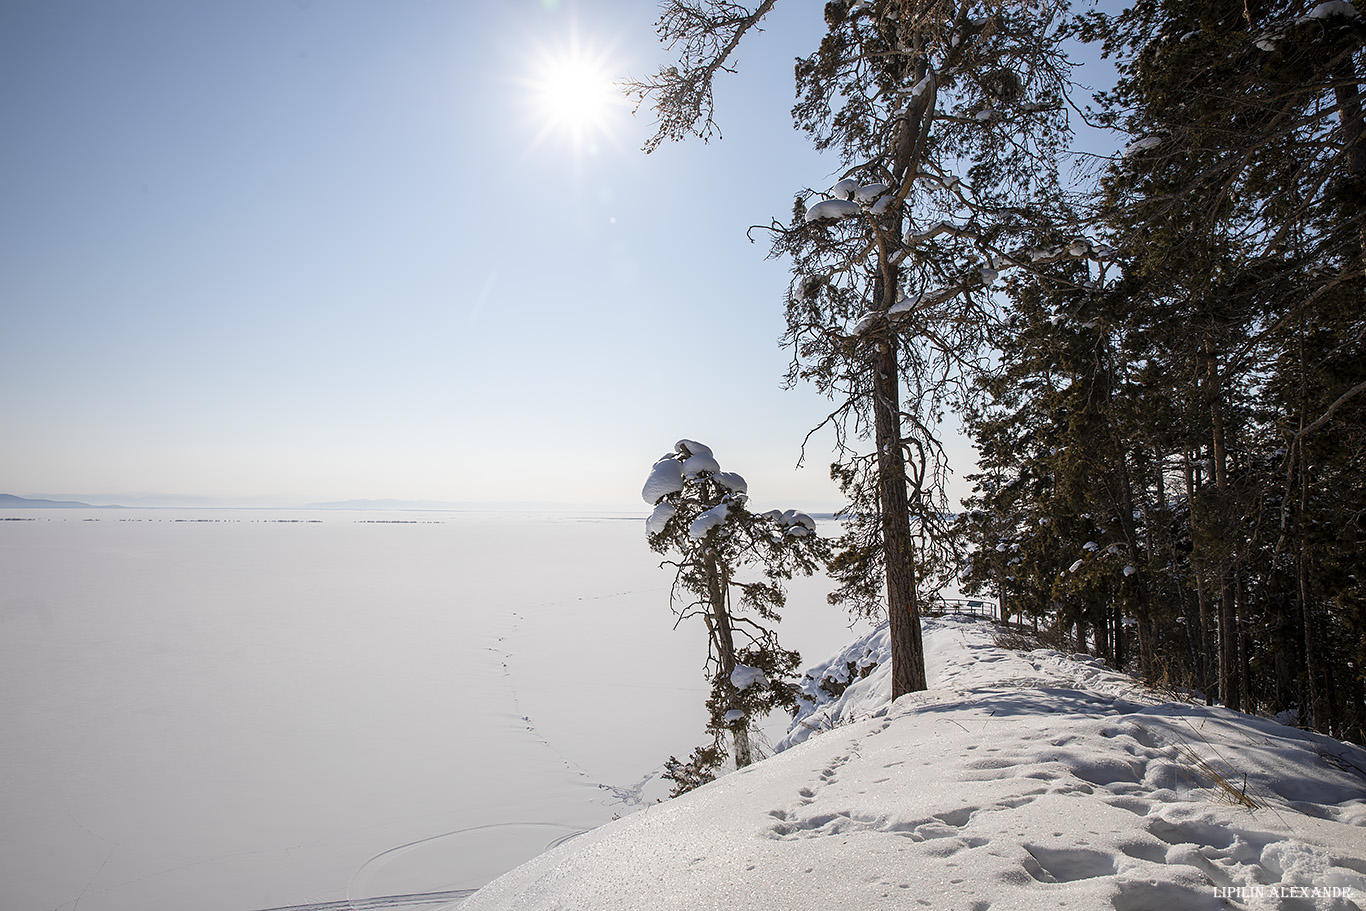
point(249, 709)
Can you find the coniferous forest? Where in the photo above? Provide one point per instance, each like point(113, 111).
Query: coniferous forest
point(1173, 452)
point(1159, 353)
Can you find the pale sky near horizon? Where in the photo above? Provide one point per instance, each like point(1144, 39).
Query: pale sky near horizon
point(281, 251)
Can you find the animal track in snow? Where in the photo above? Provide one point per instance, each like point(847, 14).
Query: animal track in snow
point(946, 825)
point(1066, 865)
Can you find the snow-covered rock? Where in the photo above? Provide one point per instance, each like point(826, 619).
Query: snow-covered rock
point(1021, 780)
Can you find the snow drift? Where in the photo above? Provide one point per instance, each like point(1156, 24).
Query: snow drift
point(1021, 780)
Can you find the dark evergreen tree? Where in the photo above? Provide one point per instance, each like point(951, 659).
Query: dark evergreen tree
point(1224, 393)
point(719, 549)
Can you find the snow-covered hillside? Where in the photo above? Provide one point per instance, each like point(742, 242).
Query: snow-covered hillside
point(1020, 780)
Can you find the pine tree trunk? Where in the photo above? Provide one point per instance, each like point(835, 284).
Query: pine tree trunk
point(744, 754)
point(1315, 710)
point(1348, 98)
point(1130, 531)
point(723, 639)
point(1203, 675)
point(908, 652)
point(1230, 673)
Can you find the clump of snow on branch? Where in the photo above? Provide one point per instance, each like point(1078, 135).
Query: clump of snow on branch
point(1146, 144)
point(1333, 8)
point(794, 523)
point(870, 193)
point(849, 199)
point(833, 210)
point(742, 678)
point(666, 477)
point(731, 481)
point(663, 512)
point(845, 189)
point(708, 520)
point(694, 465)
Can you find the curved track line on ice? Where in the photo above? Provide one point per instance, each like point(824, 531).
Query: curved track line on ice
point(450, 845)
point(449, 899)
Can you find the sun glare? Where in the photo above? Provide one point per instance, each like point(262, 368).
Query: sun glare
point(573, 97)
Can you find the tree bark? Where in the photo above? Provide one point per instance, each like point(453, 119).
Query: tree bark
point(908, 651)
point(723, 637)
point(1203, 675)
point(1315, 711)
point(1353, 132)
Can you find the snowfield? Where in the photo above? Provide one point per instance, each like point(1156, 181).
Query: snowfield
point(1020, 780)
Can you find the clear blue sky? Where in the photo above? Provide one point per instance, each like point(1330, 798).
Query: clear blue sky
point(281, 251)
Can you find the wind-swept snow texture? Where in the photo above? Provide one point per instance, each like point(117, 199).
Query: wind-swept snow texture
point(1021, 780)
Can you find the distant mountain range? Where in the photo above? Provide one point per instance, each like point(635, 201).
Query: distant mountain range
point(10, 501)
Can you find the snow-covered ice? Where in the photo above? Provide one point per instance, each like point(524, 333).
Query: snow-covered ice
point(235, 711)
point(1019, 780)
point(226, 710)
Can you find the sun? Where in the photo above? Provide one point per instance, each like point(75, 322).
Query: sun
point(573, 96)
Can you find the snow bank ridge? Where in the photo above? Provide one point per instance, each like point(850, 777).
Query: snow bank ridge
point(1020, 780)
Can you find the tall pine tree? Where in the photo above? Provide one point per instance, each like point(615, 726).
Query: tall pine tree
point(947, 118)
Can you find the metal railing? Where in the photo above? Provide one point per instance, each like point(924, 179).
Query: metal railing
point(961, 607)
